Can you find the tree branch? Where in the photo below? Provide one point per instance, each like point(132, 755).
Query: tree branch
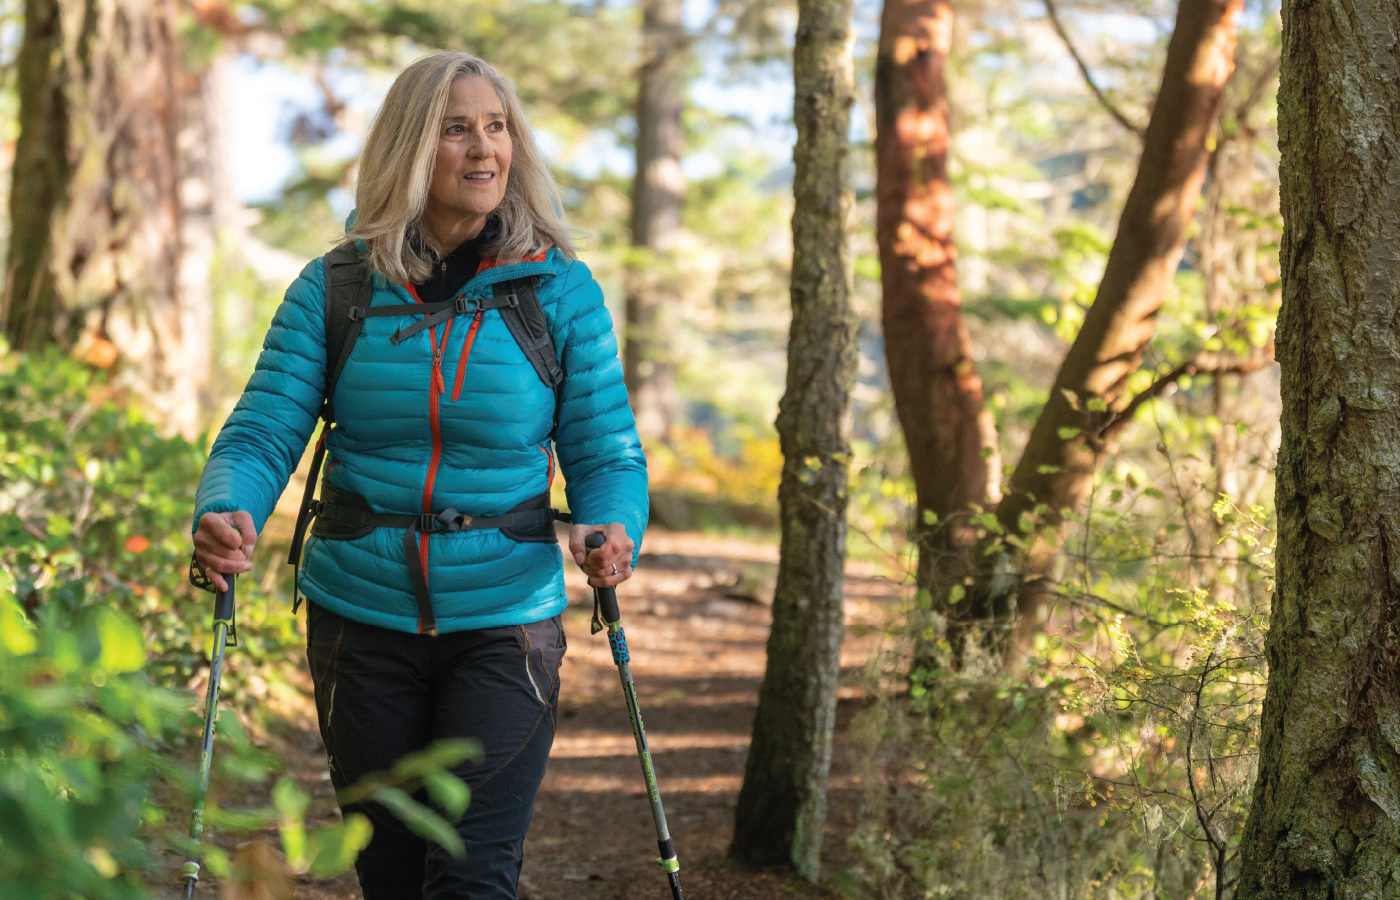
point(1215, 363)
point(1098, 92)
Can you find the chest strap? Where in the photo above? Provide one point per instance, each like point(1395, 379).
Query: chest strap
point(345, 516)
point(433, 314)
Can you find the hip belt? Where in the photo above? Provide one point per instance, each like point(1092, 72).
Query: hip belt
point(344, 516)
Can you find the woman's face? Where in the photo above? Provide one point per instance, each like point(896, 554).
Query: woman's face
point(473, 156)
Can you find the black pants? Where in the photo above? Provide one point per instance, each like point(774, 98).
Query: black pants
point(381, 694)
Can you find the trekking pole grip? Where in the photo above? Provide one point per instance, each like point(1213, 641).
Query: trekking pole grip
point(223, 602)
point(607, 597)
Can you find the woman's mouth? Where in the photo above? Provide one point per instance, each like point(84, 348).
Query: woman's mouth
point(480, 176)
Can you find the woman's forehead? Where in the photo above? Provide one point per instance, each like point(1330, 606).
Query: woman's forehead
point(473, 97)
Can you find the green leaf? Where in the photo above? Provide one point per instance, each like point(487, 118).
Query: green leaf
point(16, 631)
point(448, 791)
point(1096, 404)
point(1153, 492)
point(333, 849)
point(438, 756)
point(123, 647)
point(1048, 470)
point(955, 594)
point(420, 820)
point(1067, 434)
point(291, 802)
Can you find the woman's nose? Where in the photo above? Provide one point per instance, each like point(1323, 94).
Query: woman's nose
point(479, 146)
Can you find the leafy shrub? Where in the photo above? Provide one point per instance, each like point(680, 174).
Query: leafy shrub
point(95, 509)
point(85, 737)
point(1117, 764)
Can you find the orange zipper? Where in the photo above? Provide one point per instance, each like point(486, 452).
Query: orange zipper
point(436, 388)
point(435, 391)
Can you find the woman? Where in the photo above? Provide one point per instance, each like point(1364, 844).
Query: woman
point(453, 202)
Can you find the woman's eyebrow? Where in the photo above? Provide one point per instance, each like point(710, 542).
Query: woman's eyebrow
point(493, 116)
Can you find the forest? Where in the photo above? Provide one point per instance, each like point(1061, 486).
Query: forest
point(1012, 379)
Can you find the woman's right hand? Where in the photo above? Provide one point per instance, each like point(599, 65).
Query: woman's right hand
point(223, 545)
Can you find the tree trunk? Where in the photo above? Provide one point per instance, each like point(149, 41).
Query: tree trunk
point(40, 175)
point(209, 221)
point(1088, 404)
point(657, 191)
point(782, 804)
point(937, 391)
point(1324, 820)
point(113, 246)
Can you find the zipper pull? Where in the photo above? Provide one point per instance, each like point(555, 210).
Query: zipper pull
point(437, 370)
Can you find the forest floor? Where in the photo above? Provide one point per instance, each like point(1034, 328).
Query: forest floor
point(697, 625)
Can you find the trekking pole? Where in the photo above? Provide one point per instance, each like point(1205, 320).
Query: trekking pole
point(606, 599)
point(225, 635)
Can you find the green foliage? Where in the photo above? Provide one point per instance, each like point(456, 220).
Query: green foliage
point(95, 512)
point(1119, 763)
point(82, 739)
point(85, 737)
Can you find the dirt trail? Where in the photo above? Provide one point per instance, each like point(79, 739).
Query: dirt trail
point(696, 630)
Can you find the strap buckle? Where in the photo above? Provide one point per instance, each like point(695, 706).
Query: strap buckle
point(355, 314)
point(427, 522)
point(512, 300)
point(452, 520)
point(464, 305)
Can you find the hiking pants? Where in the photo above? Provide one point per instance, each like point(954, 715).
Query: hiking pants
point(381, 694)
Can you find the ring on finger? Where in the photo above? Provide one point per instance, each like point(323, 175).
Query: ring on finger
point(614, 568)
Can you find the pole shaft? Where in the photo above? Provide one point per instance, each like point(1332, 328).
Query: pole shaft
point(223, 621)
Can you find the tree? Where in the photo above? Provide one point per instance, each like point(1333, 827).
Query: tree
point(100, 92)
point(1089, 403)
point(937, 391)
point(1325, 812)
point(782, 804)
point(658, 188)
point(40, 175)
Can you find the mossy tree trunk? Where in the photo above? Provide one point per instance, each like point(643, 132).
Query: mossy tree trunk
point(1325, 814)
point(937, 391)
point(40, 178)
point(658, 189)
point(782, 804)
point(1089, 402)
point(111, 250)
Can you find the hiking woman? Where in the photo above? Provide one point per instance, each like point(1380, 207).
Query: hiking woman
point(433, 574)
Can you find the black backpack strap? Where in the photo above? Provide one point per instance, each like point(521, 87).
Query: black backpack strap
point(349, 287)
point(520, 307)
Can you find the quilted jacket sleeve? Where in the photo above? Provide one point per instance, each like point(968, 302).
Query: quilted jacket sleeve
point(266, 435)
point(599, 453)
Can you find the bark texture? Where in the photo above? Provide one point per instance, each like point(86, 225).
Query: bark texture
point(209, 222)
point(658, 189)
point(40, 175)
point(1088, 403)
point(782, 804)
point(937, 391)
point(111, 251)
point(1325, 814)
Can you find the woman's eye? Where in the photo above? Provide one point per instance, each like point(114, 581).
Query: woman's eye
point(498, 126)
point(455, 129)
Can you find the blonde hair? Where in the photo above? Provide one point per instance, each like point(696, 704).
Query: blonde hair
point(396, 169)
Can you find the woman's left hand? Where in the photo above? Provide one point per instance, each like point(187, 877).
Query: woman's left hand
point(610, 564)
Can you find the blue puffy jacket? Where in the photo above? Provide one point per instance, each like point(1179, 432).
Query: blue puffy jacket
point(470, 432)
